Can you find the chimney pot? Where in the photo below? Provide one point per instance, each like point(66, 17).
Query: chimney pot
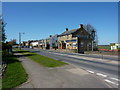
point(66, 29)
point(81, 25)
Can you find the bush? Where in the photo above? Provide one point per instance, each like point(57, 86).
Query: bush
point(6, 49)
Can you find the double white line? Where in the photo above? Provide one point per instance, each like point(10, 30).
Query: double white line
point(106, 80)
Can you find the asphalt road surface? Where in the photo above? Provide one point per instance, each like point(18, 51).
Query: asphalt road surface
point(105, 67)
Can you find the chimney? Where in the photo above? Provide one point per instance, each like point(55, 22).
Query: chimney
point(81, 25)
point(66, 29)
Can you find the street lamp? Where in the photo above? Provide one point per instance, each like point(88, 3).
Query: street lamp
point(20, 39)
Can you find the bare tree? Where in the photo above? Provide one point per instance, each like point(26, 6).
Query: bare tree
point(89, 27)
point(93, 33)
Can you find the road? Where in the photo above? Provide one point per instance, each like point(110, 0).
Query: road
point(66, 76)
point(105, 69)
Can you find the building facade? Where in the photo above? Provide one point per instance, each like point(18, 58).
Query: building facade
point(115, 46)
point(53, 41)
point(76, 40)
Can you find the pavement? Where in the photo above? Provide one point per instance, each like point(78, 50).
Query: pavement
point(67, 76)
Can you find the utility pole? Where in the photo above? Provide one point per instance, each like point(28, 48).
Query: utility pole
point(20, 39)
point(92, 45)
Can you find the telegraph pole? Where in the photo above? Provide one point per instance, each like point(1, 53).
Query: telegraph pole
point(20, 39)
point(92, 45)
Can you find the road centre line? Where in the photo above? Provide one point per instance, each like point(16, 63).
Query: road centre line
point(106, 80)
point(90, 71)
point(100, 74)
point(115, 79)
point(58, 53)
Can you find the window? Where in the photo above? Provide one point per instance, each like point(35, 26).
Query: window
point(82, 44)
point(60, 38)
point(66, 36)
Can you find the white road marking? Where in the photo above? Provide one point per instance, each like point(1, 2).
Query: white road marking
point(100, 74)
point(115, 79)
point(117, 84)
point(58, 53)
point(90, 71)
point(106, 80)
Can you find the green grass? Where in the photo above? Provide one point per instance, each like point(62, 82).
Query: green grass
point(43, 60)
point(104, 47)
point(14, 74)
point(0, 84)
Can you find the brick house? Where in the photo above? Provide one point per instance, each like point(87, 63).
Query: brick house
point(75, 40)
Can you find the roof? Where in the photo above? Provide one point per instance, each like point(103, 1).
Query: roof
point(69, 32)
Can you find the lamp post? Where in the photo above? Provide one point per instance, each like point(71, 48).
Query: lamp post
point(20, 39)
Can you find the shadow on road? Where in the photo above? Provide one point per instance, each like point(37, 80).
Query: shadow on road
point(24, 55)
point(20, 51)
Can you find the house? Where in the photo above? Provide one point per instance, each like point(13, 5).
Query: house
point(48, 43)
point(24, 43)
point(41, 43)
point(53, 41)
point(76, 40)
point(35, 43)
point(45, 43)
point(115, 46)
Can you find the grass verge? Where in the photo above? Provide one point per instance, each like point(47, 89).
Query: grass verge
point(43, 60)
point(14, 74)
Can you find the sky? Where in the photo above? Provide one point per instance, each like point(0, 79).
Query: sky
point(38, 20)
point(60, 0)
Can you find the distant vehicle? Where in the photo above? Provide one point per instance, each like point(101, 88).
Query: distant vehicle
point(30, 47)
